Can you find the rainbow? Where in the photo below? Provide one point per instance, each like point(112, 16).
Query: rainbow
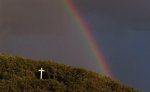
point(87, 32)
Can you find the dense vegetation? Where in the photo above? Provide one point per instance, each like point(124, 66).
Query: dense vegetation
point(19, 74)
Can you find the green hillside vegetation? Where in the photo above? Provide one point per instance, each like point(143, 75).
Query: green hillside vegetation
point(18, 74)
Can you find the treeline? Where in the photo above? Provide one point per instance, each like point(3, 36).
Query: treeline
point(18, 74)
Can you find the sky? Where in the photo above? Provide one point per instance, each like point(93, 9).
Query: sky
point(43, 29)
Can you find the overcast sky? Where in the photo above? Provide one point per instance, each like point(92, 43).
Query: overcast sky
point(43, 30)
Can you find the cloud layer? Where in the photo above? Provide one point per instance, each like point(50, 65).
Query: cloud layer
point(129, 13)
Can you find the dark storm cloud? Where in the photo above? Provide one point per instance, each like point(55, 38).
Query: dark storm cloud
point(134, 14)
point(32, 15)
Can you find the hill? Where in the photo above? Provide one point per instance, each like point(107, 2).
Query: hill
point(18, 74)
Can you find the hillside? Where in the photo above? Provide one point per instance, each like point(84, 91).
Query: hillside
point(19, 74)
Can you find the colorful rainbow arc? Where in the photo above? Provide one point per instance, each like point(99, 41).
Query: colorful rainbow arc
point(84, 27)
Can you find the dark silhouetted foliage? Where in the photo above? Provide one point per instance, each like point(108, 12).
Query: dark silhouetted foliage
point(18, 74)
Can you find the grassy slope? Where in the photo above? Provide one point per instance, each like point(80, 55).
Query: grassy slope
point(18, 74)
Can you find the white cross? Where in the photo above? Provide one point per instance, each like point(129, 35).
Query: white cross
point(41, 70)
